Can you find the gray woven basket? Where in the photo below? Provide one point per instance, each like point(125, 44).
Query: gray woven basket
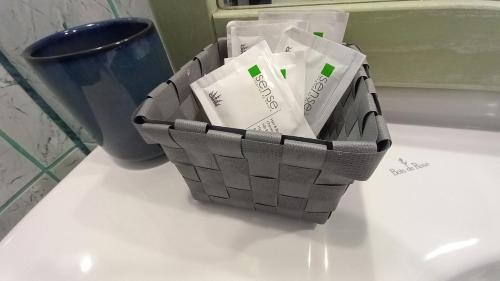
point(298, 177)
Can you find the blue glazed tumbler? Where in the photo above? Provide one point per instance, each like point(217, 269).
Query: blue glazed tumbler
point(101, 72)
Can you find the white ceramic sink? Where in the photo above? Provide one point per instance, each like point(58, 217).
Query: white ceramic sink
point(438, 220)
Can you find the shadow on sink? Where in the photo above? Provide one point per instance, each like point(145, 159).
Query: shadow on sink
point(487, 272)
point(348, 223)
point(346, 227)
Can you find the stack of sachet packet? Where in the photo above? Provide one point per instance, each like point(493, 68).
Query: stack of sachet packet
point(284, 73)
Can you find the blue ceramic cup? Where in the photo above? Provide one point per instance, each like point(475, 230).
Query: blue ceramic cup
point(102, 71)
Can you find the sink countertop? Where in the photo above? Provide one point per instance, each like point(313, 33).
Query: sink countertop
point(429, 212)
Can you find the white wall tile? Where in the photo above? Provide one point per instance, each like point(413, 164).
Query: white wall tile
point(15, 171)
point(24, 203)
point(5, 79)
point(30, 127)
point(24, 22)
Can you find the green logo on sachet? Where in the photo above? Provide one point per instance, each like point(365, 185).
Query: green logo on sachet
point(327, 70)
point(283, 72)
point(254, 71)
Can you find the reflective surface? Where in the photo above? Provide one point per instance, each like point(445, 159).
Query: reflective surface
point(101, 72)
point(228, 4)
point(429, 212)
point(479, 110)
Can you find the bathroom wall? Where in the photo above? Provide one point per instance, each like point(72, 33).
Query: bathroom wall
point(40, 141)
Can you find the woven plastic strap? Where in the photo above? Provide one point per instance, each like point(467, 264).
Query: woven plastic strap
point(297, 177)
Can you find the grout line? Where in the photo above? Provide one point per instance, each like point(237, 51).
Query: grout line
point(18, 193)
point(28, 156)
point(113, 8)
point(61, 157)
point(50, 174)
point(30, 91)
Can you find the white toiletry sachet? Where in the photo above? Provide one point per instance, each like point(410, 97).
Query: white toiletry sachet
point(292, 66)
point(249, 92)
point(241, 35)
point(328, 24)
point(330, 68)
